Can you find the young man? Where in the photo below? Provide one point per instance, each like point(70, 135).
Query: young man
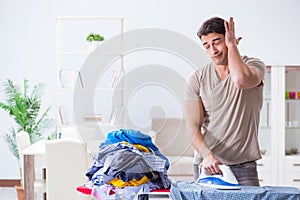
point(223, 103)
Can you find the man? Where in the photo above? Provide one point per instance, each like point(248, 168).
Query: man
point(223, 103)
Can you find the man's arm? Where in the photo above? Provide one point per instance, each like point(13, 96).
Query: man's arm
point(194, 120)
point(243, 76)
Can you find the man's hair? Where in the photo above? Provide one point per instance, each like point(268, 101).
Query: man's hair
point(212, 25)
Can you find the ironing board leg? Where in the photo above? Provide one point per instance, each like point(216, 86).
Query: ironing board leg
point(143, 197)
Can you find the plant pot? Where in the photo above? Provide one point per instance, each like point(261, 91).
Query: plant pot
point(93, 45)
point(20, 192)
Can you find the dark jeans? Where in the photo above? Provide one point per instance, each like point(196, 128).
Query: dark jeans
point(245, 173)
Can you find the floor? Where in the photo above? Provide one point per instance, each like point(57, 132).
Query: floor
point(8, 193)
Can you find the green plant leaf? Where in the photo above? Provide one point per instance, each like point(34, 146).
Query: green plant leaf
point(94, 37)
point(25, 108)
point(12, 144)
point(90, 37)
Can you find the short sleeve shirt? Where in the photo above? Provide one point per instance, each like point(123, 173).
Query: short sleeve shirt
point(231, 115)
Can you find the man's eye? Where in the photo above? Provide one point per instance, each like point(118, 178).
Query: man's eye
point(206, 46)
point(217, 42)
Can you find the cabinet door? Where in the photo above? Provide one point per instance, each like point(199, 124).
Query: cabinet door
point(292, 179)
point(292, 171)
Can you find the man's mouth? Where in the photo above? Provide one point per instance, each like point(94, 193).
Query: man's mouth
point(216, 56)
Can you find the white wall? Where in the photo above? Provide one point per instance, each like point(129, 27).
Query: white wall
point(28, 35)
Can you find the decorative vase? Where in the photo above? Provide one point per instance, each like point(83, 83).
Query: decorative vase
point(20, 192)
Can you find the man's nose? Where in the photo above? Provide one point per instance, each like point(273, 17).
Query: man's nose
point(213, 49)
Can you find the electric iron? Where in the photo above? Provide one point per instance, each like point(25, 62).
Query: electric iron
point(224, 181)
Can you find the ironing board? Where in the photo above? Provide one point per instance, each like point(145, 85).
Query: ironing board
point(191, 190)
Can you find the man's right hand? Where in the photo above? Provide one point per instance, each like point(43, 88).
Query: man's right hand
point(210, 164)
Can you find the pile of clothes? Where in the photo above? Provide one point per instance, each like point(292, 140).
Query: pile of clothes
point(128, 163)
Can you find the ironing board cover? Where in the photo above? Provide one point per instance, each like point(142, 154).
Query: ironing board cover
point(191, 190)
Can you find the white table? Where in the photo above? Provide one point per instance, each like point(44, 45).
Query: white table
point(35, 152)
point(35, 156)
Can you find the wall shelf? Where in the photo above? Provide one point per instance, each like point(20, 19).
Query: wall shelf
point(72, 52)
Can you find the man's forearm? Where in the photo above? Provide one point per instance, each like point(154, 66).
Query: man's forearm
point(239, 71)
point(194, 120)
point(242, 75)
point(198, 142)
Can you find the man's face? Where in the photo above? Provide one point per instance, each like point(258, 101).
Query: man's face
point(215, 47)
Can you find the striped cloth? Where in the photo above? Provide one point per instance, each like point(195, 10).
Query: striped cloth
point(191, 190)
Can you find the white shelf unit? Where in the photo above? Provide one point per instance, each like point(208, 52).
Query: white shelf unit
point(279, 130)
point(291, 165)
point(94, 85)
point(266, 139)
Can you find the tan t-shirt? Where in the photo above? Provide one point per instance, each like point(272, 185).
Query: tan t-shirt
point(231, 115)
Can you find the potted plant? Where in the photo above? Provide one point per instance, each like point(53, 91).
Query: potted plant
point(25, 109)
point(94, 39)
